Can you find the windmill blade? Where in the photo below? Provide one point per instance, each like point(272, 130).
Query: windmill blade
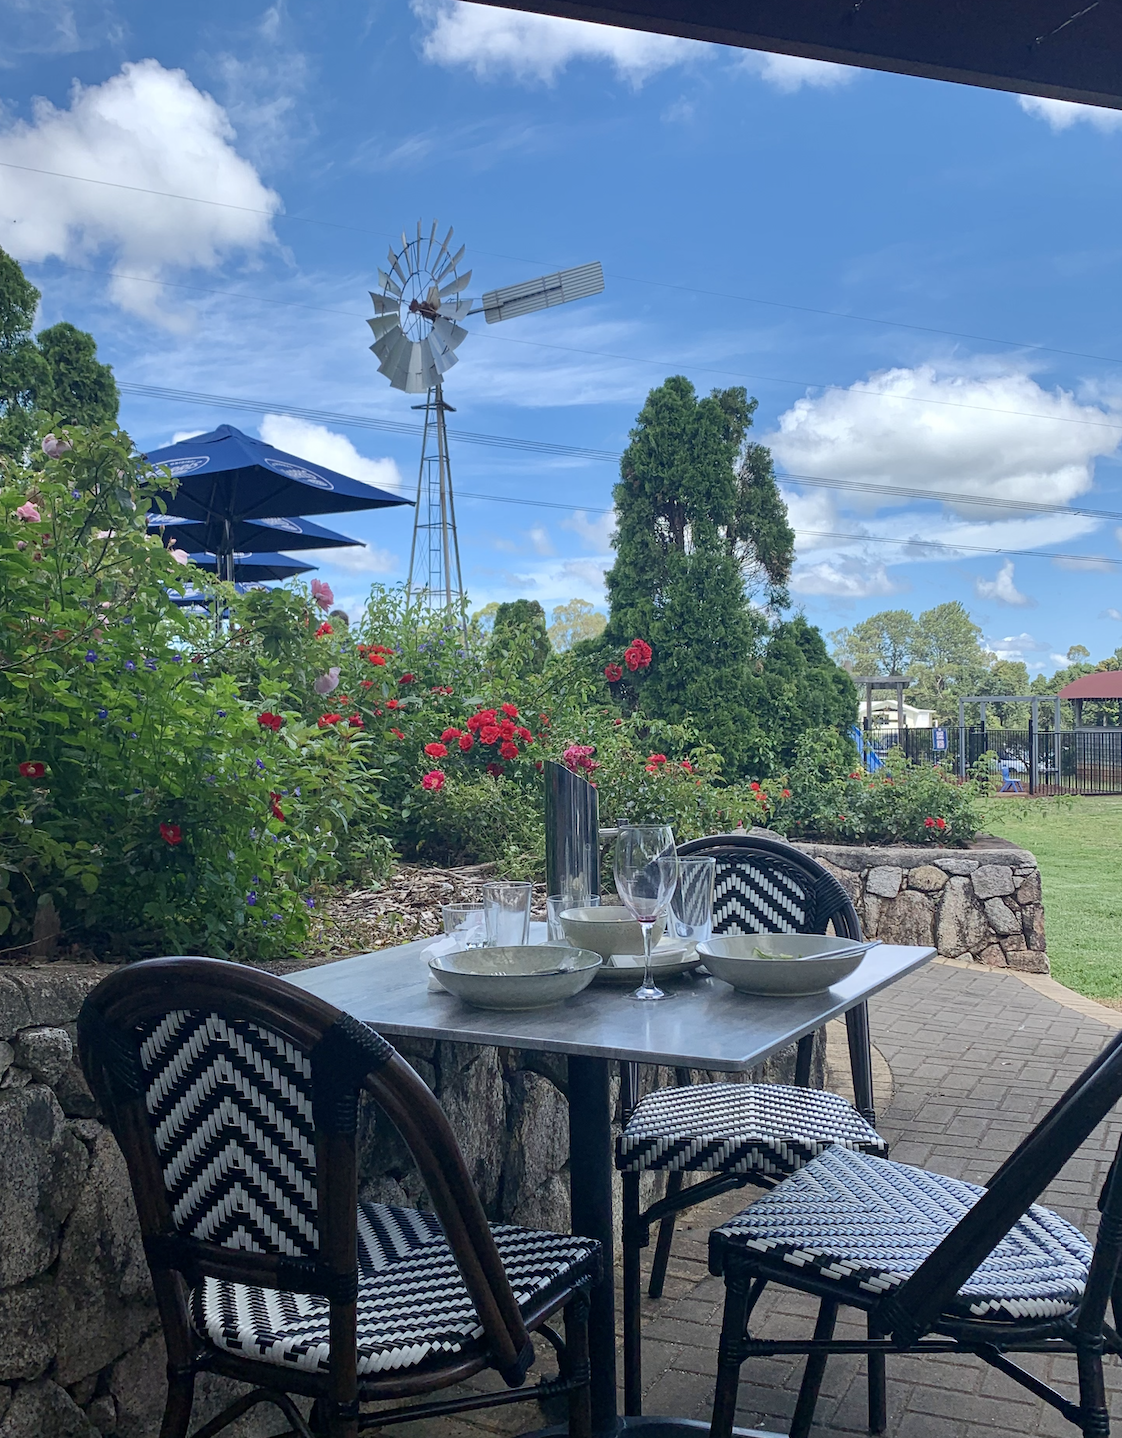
point(415, 381)
point(453, 287)
point(388, 283)
point(452, 263)
point(432, 241)
point(393, 354)
point(457, 309)
point(434, 361)
point(384, 324)
point(383, 305)
point(444, 340)
point(543, 293)
point(395, 266)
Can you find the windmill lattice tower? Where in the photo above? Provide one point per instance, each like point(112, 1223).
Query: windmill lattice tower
point(417, 331)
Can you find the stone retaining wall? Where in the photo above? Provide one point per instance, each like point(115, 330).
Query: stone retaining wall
point(81, 1353)
point(981, 904)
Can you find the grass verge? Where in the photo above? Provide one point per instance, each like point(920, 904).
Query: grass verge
point(1078, 845)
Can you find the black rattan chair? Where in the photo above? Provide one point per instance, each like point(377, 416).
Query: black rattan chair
point(234, 1097)
point(938, 1265)
point(738, 1133)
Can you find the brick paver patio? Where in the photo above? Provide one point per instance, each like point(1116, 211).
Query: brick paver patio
point(977, 1057)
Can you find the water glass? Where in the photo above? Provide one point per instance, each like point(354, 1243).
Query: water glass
point(692, 904)
point(506, 910)
point(646, 872)
point(554, 907)
point(466, 923)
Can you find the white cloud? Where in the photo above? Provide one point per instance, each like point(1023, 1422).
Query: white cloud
point(539, 538)
point(846, 578)
point(996, 436)
point(362, 559)
point(55, 27)
point(1001, 588)
point(152, 129)
point(1092, 563)
point(789, 73)
point(1062, 114)
point(1019, 646)
point(492, 42)
point(261, 91)
point(595, 533)
point(1115, 614)
point(324, 446)
point(181, 434)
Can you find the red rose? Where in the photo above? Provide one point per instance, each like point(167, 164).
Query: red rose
point(355, 721)
point(637, 655)
point(466, 743)
point(490, 734)
point(506, 729)
point(687, 766)
point(433, 781)
point(393, 703)
point(753, 785)
point(170, 834)
point(613, 673)
point(543, 719)
point(785, 794)
point(929, 823)
point(375, 659)
point(494, 770)
point(509, 750)
point(324, 628)
point(274, 804)
point(940, 822)
point(657, 759)
point(436, 751)
point(524, 735)
point(449, 734)
point(406, 679)
point(326, 719)
point(397, 734)
point(32, 769)
point(538, 765)
point(365, 683)
point(268, 720)
point(511, 711)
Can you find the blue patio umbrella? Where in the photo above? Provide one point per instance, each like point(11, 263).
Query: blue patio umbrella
point(255, 568)
point(260, 536)
point(226, 477)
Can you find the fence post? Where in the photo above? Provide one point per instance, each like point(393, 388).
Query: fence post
point(1032, 750)
point(962, 739)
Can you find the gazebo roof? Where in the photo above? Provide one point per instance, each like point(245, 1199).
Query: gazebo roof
point(1103, 684)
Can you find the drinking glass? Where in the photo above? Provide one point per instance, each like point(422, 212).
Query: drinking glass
point(506, 910)
point(692, 904)
point(646, 872)
point(465, 922)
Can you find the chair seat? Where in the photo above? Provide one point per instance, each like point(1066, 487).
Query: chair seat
point(769, 1129)
point(868, 1223)
point(412, 1302)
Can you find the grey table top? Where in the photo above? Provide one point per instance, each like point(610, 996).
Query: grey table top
point(706, 1025)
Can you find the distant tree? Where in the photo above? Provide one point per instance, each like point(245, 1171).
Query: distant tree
point(949, 659)
point(1078, 654)
point(799, 687)
point(485, 617)
point(885, 643)
point(519, 636)
point(57, 374)
point(1009, 676)
point(574, 622)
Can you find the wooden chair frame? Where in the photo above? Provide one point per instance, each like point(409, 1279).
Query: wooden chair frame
point(346, 1057)
point(831, 904)
point(913, 1318)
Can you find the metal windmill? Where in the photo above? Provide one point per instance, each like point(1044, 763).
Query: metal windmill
point(417, 331)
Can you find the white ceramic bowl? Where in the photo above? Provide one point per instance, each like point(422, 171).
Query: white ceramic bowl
point(523, 976)
point(607, 929)
point(781, 963)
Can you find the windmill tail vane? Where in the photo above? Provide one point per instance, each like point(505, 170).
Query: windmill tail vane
point(417, 328)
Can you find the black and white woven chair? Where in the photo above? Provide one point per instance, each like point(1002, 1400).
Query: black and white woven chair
point(234, 1097)
point(937, 1265)
point(737, 1133)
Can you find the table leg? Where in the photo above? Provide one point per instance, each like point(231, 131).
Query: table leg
point(590, 1187)
point(861, 1061)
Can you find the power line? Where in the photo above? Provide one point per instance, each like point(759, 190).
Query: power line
point(520, 259)
point(947, 496)
point(953, 547)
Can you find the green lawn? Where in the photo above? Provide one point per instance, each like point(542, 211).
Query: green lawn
point(1078, 845)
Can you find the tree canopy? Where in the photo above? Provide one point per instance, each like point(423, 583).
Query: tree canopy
point(940, 651)
point(56, 373)
point(574, 622)
point(519, 636)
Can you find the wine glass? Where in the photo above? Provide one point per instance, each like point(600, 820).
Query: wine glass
point(646, 872)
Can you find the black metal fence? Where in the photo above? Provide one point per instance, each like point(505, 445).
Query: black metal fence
point(1045, 761)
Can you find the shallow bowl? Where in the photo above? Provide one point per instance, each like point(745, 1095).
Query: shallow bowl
point(606, 930)
point(512, 977)
point(781, 963)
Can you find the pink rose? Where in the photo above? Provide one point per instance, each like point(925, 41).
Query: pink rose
point(326, 683)
point(179, 555)
point(322, 594)
point(53, 447)
point(29, 512)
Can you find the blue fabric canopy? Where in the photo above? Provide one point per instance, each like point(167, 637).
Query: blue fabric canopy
point(259, 535)
point(255, 568)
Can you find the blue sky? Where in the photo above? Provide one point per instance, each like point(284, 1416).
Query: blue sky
point(919, 281)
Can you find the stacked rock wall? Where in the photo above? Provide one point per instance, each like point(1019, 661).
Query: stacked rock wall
point(981, 904)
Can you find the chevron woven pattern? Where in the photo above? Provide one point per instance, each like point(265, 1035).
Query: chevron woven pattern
point(412, 1303)
point(868, 1223)
point(752, 896)
point(769, 1129)
point(231, 1110)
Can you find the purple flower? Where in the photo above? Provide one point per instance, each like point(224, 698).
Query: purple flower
point(128, 663)
point(311, 903)
point(278, 917)
point(221, 713)
point(296, 791)
point(175, 659)
point(91, 657)
point(133, 736)
point(149, 664)
point(253, 833)
point(260, 763)
point(103, 713)
point(251, 898)
point(75, 494)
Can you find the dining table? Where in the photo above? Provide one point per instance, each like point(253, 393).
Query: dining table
point(707, 1025)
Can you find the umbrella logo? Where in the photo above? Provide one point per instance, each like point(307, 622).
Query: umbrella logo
point(288, 525)
point(296, 471)
point(188, 464)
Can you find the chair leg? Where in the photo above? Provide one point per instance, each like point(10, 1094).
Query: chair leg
point(812, 1374)
point(878, 1387)
point(665, 1238)
point(576, 1349)
point(177, 1410)
point(632, 1336)
point(734, 1325)
point(1094, 1416)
